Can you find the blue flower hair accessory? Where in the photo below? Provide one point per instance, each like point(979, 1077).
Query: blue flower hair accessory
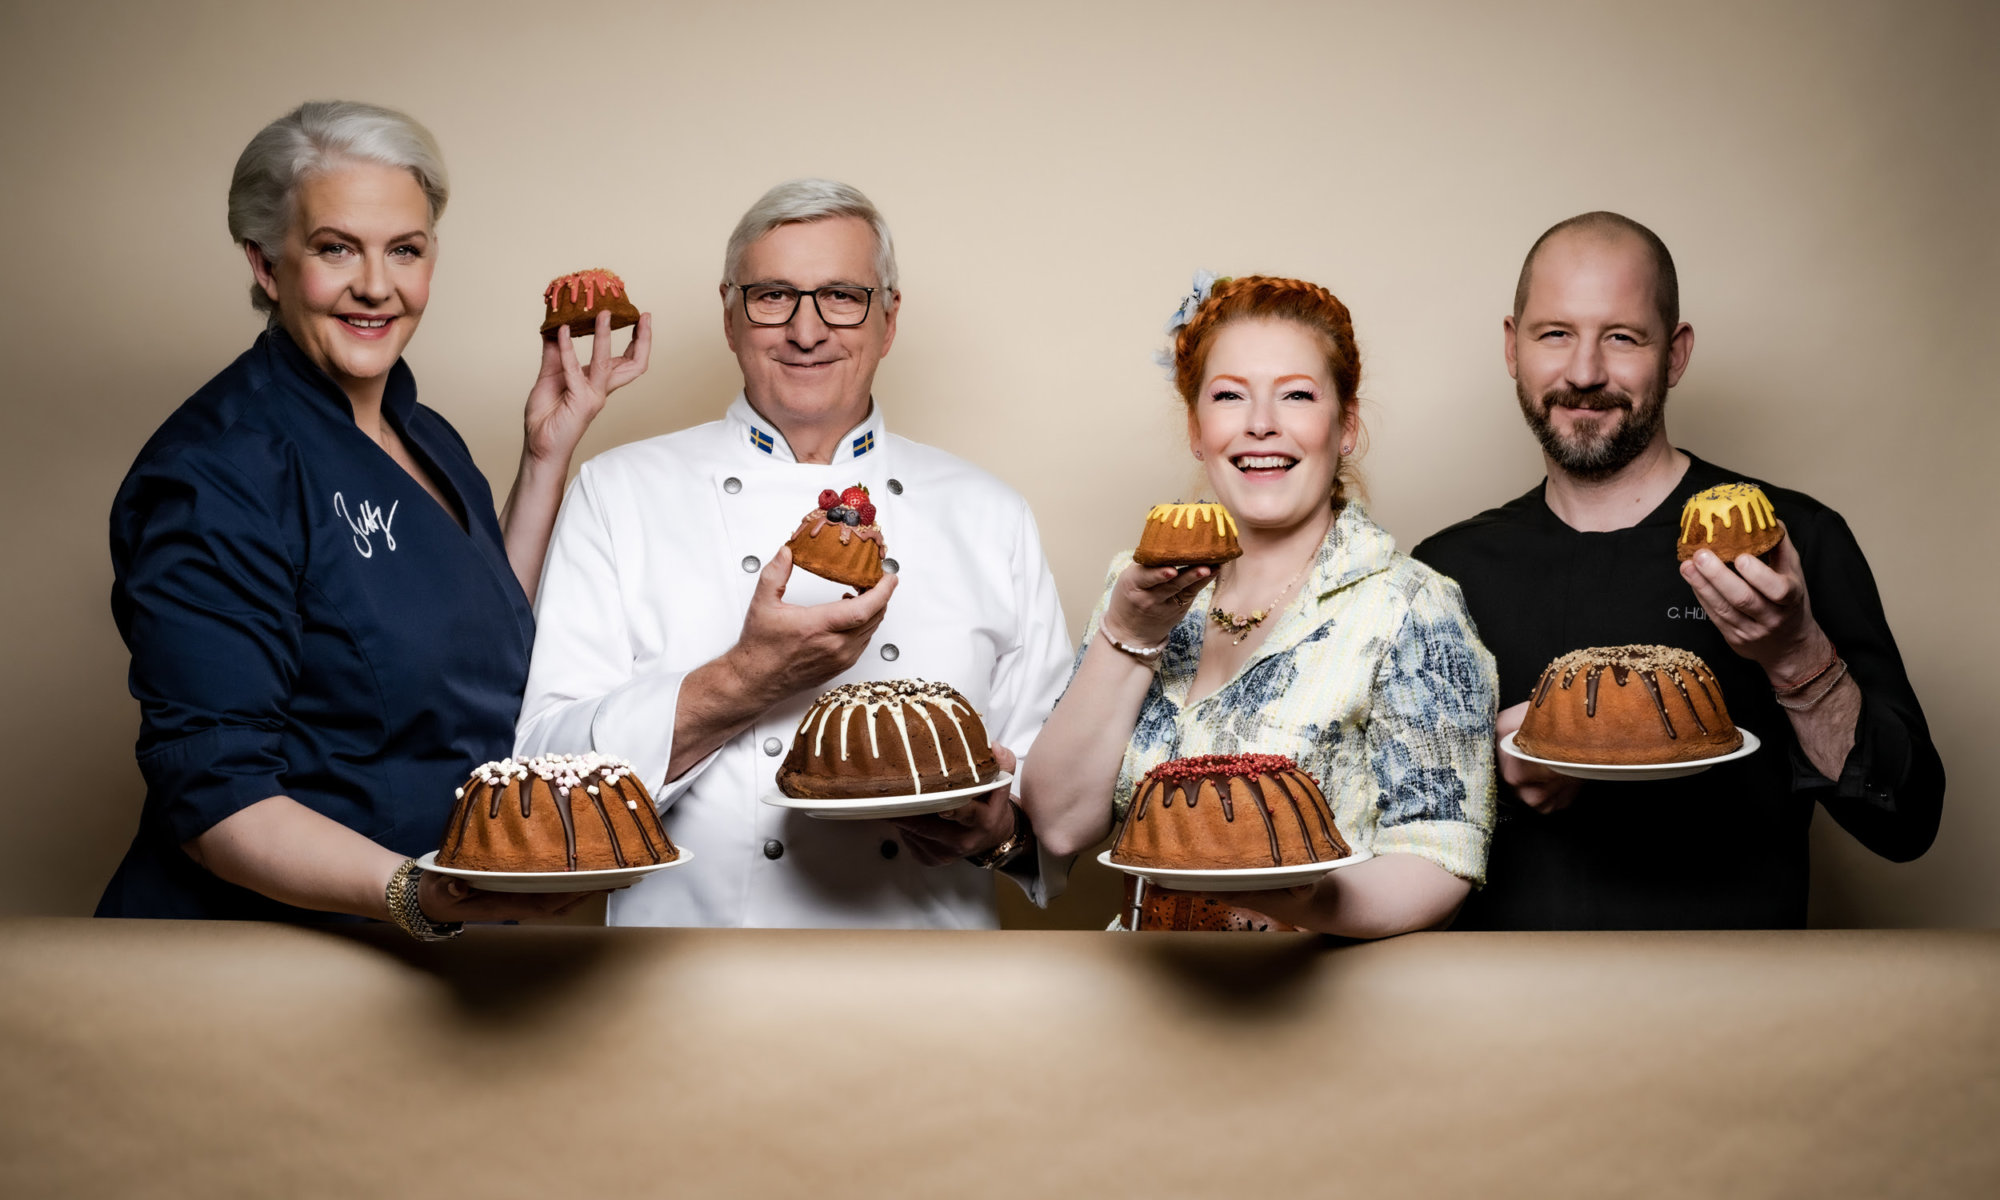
point(1204, 283)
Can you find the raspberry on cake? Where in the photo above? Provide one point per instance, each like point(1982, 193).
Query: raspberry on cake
point(1731, 519)
point(840, 540)
point(575, 300)
point(1187, 535)
point(891, 737)
point(1663, 705)
point(1228, 811)
point(554, 812)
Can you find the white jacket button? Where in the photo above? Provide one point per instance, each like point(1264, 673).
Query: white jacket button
point(750, 564)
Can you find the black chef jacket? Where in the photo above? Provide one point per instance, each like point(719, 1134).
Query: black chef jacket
point(1726, 848)
point(305, 620)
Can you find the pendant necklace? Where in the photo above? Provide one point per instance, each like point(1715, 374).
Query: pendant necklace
point(1241, 626)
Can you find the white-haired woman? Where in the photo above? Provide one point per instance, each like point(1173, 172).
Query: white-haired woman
point(328, 626)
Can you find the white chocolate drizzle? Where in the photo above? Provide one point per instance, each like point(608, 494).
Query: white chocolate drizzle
point(900, 697)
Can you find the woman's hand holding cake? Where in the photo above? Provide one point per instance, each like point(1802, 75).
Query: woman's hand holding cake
point(565, 399)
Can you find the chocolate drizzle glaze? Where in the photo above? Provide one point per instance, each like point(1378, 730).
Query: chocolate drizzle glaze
point(1189, 789)
point(561, 801)
point(610, 831)
point(1648, 663)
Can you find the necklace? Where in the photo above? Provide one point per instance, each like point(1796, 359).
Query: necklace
point(1240, 625)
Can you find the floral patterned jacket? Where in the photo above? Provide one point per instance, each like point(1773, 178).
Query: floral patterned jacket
point(1373, 679)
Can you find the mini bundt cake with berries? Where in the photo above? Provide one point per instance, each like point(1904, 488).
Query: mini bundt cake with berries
point(839, 540)
point(554, 812)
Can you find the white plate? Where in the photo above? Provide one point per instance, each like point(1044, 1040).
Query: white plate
point(873, 807)
point(1241, 879)
point(552, 881)
point(1613, 771)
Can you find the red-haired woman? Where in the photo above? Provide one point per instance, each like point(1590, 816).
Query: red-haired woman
point(1322, 642)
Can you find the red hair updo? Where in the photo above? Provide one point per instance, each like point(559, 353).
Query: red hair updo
point(1271, 298)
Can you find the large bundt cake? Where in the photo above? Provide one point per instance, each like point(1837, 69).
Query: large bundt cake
point(554, 812)
point(575, 300)
point(1187, 535)
point(840, 540)
point(1233, 811)
point(1731, 519)
point(893, 737)
point(1636, 705)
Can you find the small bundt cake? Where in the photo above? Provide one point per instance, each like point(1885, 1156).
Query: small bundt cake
point(891, 737)
point(575, 300)
point(1187, 535)
point(554, 812)
point(840, 540)
point(1228, 811)
point(1731, 519)
point(1662, 705)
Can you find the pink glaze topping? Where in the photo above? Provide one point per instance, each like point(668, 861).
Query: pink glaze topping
point(584, 287)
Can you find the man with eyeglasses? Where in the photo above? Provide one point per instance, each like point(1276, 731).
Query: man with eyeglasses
point(673, 632)
point(1797, 639)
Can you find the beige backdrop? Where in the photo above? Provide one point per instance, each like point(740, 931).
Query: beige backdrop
point(1825, 174)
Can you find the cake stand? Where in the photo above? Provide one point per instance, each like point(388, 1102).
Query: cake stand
point(1637, 771)
point(552, 881)
point(873, 808)
point(1241, 879)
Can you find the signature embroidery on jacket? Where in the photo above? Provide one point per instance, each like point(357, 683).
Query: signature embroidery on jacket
point(372, 520)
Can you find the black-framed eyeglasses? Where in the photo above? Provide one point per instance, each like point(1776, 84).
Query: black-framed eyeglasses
point(838, 304)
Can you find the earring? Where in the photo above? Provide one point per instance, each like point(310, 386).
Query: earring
point(1197, 456)
point(1347, 449)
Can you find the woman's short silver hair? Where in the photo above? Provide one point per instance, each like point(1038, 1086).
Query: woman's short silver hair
point(800, 200)
point(317, 136)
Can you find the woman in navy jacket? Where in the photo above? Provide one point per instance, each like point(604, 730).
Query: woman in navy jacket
point(329, 629)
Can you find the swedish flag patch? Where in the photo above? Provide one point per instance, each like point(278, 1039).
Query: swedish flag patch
point(760, 439)
point(864, 443)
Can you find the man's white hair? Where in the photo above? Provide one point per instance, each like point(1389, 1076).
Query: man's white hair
point(317, 136)
point(799, 200)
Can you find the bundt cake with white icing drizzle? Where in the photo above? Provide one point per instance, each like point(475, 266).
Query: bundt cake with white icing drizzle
point(892, 737)
point(554, 812)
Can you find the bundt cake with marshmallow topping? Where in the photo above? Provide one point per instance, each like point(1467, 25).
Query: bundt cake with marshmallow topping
point(554, 812)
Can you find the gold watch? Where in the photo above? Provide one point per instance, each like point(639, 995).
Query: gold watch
point(1017, 843)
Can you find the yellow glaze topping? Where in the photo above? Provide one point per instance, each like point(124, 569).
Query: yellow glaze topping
point(1187, 514)
point(1715, 506)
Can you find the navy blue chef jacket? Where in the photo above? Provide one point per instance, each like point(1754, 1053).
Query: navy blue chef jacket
point(306, 621)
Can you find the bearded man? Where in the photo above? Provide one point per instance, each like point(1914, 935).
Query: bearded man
point(1797, 639)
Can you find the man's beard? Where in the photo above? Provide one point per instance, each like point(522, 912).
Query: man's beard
point(1596, 455)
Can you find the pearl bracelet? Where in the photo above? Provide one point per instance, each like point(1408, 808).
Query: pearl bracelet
point(1145, 654)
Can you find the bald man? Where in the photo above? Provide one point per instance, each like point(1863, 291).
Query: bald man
point(1797, 639)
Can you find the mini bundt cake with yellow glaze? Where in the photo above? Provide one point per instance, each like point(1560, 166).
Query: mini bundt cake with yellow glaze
point(1731, 519)
point(1187, 535)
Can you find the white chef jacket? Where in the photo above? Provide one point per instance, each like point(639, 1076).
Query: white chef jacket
point(651, 570)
